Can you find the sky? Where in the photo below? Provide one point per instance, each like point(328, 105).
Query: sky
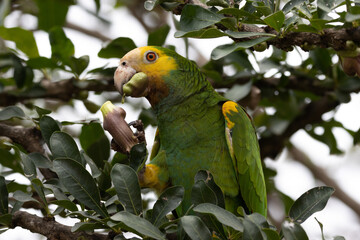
point(292, 178)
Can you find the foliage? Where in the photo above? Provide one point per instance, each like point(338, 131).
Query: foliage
point(100, 188)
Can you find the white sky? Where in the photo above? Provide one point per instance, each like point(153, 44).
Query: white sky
point(292, 178)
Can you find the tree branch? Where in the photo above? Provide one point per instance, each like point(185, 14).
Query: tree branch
point(321, 175)
point(88, 32)
point(51, 229)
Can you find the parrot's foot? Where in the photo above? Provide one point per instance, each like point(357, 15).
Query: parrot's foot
point(139, 126)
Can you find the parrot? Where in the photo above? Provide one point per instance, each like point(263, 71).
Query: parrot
point(198, 129)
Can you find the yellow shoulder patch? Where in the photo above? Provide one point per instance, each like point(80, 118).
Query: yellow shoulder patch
point(150, 178)
point(227, 108)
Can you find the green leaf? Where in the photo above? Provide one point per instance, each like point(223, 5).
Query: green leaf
point(223, 50)
point(275, 20)
point(202, 33)
point(11, 160)
point(240, 35)
point(52, 13)
point(117, 48)
point(40, 160)
point(293, 231)
point(95, 171)
point(42, 111)
point(271, 234)
point(79, 183)
point(3, 197)
point(87, 226)
point(6, 219)
point(310, 202)
point(61, 47)
point(62, 145)
point(292, 4)
point(48, 126)
point(201, 193)
point(150, 4)
point(95, 143)
point(158, 37)
point(23, 197)
point(66, 204)
point(195, 228)
point(42, 62)
point(139, 224)
point(225, 217)
point(322, 60)
point(78, 65)
point(5, 8)
point(24, 40)
point(127, 188)
point(321, 228)
point(238, 92)
point(194, 17)
point(349, 17)
point(11, 112)
point(167, 202)
point(138, 154)
point(252, 231)
point(29, 167)
point(23, 75)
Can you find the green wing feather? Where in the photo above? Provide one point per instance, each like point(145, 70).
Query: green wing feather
point(244, 151)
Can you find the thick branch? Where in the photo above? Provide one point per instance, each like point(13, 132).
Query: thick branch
point(321, 175)
point(272, 145)
point(49, 228)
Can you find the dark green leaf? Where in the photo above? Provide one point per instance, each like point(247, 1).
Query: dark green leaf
point(138, 154)
point(11, 112)
point(223, 50)
point(87, 226)
point(127, 188)
point(167, 202)
point(139, 224)
point(322, 60)
point(3, 196)
point(52, 13)
point(79, 183)
point(42, 62)
point(271, 234)
point(339, 238)
point(240, 35)
point(23, 197)
point(40, 160)
point(195, 228)
point(310, 202)
point(292, 4)
point(24, 40)
point(5, 219)
point(202, 33)
point(62, 145)
point(91, 106)
point(78, 65)
point(48, 126)
point(117, 48)
point(194, 17)
point(29, 167)
point(11, 160)
point(42, 111)
point(321, 228)
point(61, 47)
point(158, 37)
point(275, 20)
point(66, 204)
point(223, 216)
point(201, 193)
point(95, 143)
point(251, 231)
point(238, 92)
point(95, 171)
point(293, 231)
point(23, 75)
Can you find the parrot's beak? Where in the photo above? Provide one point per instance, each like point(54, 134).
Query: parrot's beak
point(129, 82)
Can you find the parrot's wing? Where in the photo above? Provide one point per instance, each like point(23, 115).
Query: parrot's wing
point(244, 150)
point(156, 146)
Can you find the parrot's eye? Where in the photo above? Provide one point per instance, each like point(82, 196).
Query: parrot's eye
point(150, 56)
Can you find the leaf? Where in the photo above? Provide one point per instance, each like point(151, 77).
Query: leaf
point(117, 48)
point(223, 50)
point(225, 217)
point(61, 46)
point(139, 224)
point(240, 35)
point(42, 111)
point(62, 145)
point(95, 171)
point(275, 20)
point(202, 33)
point(11, 112)
point(52, 13)
point(138, 154)
point(11, 160)
point(310, 202)
point(67, 204)
point(321, 228)
point(293, 231)
point(167, 202)
point(127, 188)
point(86, 226)
point(271, 234)
point(251, 231)
point(23, 197)
point(194, 17)
point(201, 193)
point(3, 197)
point(292, 4)
point(48, 126)
point(158, 37)
point(23, 75)
point(95, 143)
point(40, 160)
point(6, 219)
point(238, 92)
point(150, 4)
point(24, 40)
point(78, 65)
point(195, 228)
point(42, 62)
point(79, 183)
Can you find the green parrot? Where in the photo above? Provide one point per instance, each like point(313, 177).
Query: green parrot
point(198, 129)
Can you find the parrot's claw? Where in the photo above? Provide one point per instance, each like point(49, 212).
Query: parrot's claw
point(117, 148)
point(139, 126)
